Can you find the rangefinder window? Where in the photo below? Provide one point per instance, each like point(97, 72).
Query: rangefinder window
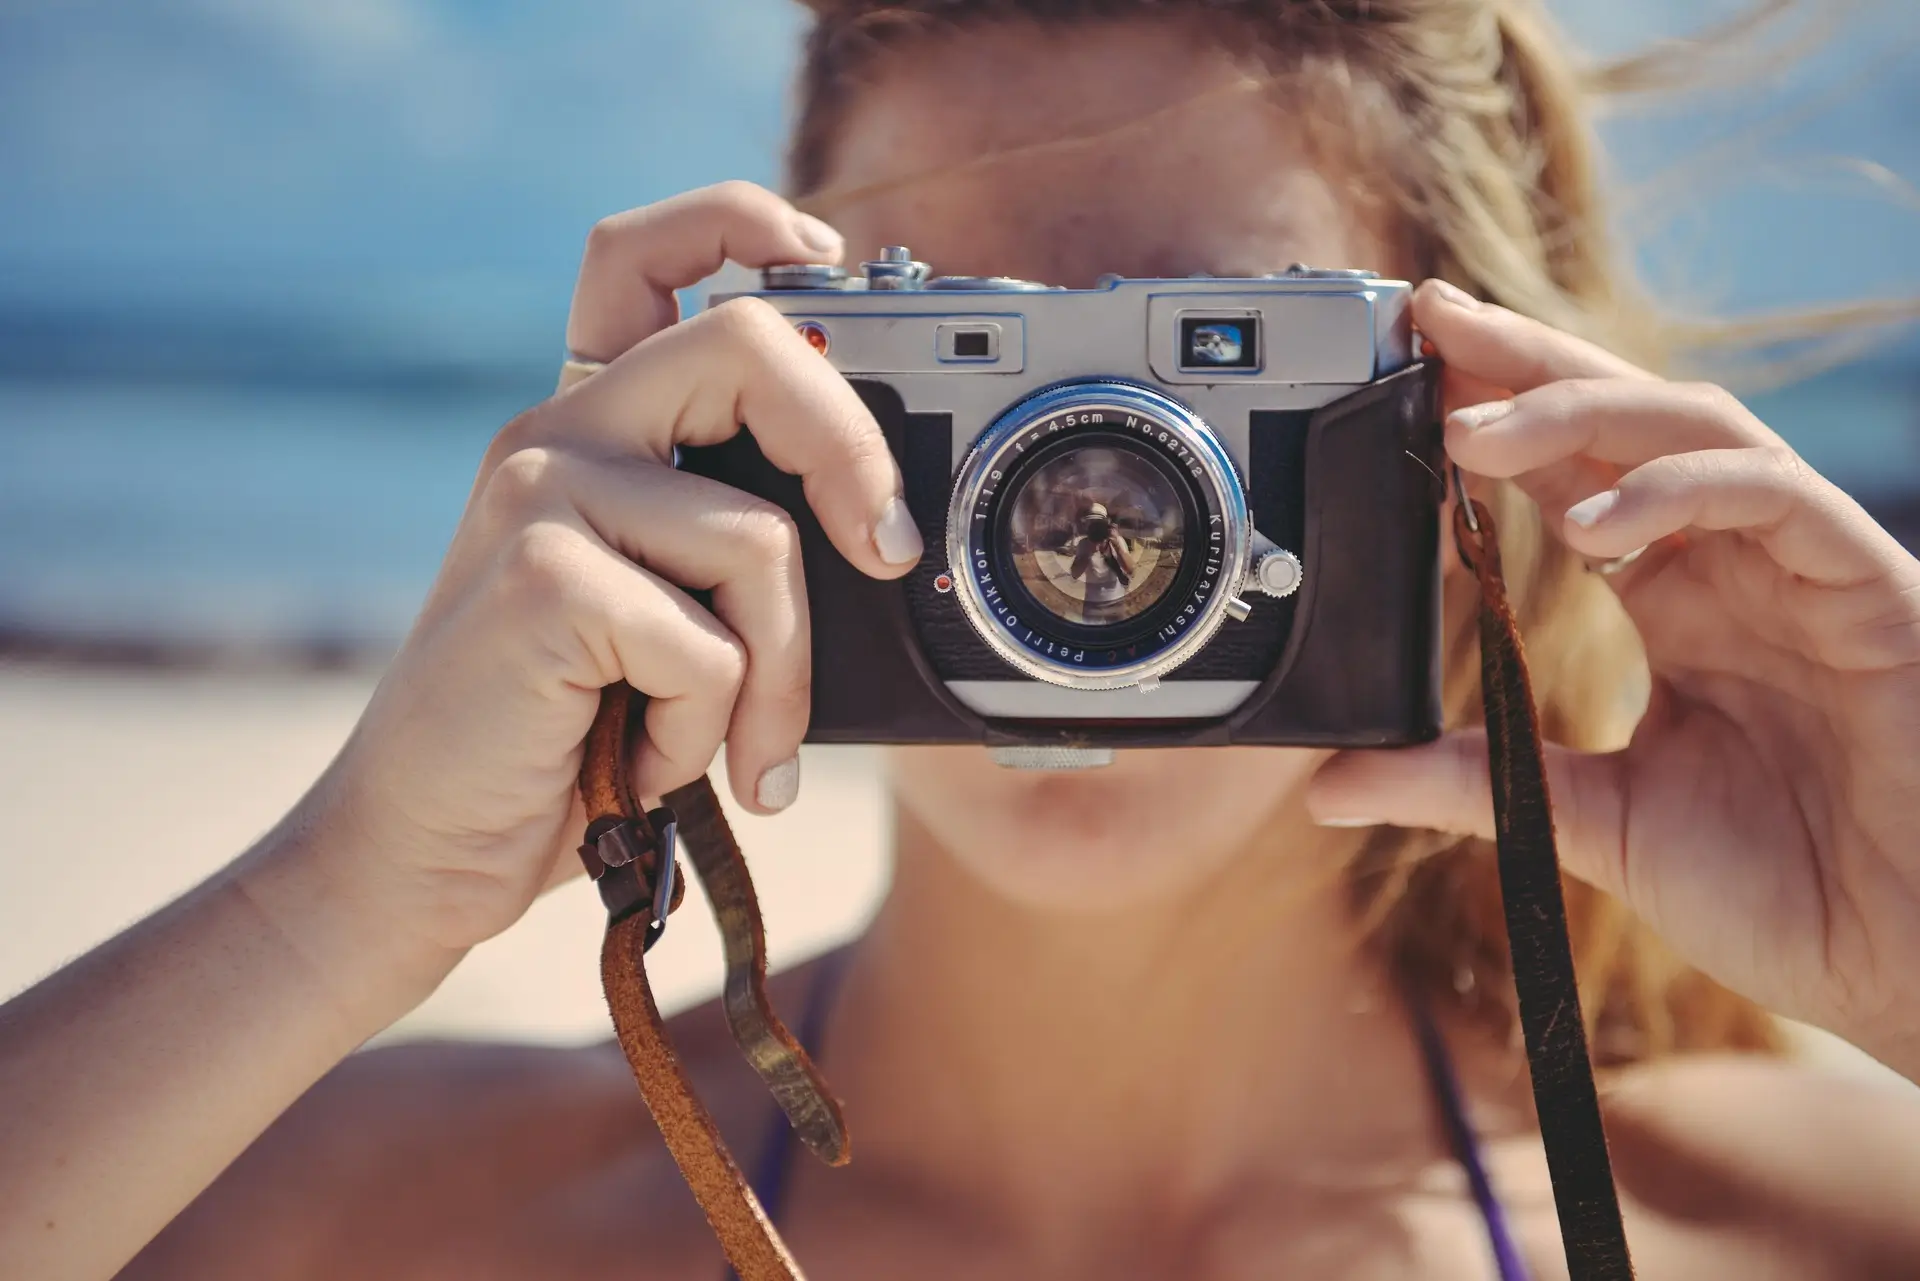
point(1219, 342)
point(969, 342)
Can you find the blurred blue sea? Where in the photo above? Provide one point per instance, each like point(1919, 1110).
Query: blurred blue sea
point(271, 273)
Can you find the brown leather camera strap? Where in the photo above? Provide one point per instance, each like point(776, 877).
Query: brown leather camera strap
point(630, 856)
point(1563, 1090)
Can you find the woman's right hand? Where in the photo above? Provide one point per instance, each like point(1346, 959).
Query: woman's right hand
point(453, 803)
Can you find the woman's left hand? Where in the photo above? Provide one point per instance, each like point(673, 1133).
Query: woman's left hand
point(1765, 817)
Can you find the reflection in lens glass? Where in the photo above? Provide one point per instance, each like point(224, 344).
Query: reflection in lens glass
point(1096, 534)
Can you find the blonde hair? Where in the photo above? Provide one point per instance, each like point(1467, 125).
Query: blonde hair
point(1477, 128)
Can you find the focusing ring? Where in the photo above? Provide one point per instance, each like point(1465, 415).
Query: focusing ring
point(1135, 417)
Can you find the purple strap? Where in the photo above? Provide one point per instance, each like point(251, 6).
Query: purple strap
point(1465, 1144)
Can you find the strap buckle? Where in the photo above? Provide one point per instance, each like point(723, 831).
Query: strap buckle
point(615, 855)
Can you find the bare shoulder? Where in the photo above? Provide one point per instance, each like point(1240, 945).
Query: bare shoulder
point(423, 1157)
point(1824, 1164)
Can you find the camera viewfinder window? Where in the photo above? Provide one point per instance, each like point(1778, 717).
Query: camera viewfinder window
point(1219, 342)
point(968, 342)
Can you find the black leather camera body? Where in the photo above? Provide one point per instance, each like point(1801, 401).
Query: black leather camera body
point(1172, 512)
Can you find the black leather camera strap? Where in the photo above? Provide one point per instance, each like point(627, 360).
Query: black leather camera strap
point(1564, 1097)
point(630, 855)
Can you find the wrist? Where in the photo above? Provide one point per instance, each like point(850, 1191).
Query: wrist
point(340, 928)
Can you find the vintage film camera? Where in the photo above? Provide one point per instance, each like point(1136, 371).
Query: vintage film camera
point(1157, 512)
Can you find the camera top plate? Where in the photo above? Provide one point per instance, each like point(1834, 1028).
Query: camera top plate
point(1226, 346)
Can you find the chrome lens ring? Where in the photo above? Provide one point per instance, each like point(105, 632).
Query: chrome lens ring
point(1121, 418)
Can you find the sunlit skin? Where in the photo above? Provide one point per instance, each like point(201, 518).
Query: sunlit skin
point(1107, 1024)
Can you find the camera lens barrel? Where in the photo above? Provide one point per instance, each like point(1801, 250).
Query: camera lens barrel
point(1097, 533)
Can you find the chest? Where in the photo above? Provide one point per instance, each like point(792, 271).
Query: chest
point(632, 1219)
point(620, 1231)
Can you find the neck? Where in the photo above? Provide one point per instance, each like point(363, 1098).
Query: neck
point(1057, 1070)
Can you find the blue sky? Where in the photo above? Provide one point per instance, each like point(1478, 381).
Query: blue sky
point(422, 157)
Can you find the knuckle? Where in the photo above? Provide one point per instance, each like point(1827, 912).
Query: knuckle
point(1712, 400)
point(724, 664)
point(521, 481)
point(864, 443)
point(790, 684)
point(543, 566)
point(737, 194)
point(1680, 472)
point(524, 427)
point(781, 705)
point(767, 530)
point(1707, 394)
point(1563, 402)
point(1789, 468)
point(750, 323)
point(607, 234)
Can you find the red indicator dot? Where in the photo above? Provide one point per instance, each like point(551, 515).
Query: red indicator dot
point(816, 335)
point(944, 583)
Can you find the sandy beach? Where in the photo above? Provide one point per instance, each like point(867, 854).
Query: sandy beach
point(182, 770)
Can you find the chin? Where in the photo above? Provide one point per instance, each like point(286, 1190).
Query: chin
point(1139, 831)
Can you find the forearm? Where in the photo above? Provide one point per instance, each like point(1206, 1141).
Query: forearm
point(132, 1077)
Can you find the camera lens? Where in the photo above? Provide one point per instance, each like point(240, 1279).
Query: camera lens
point(1095, 533)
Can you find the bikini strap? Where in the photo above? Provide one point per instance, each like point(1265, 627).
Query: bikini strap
point(1464, 1142)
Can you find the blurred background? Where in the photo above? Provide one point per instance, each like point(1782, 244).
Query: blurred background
point(272, 272)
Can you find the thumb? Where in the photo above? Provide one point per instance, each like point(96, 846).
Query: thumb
point(1446, 786)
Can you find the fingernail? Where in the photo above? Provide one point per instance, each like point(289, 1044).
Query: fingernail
point(1588, 512)
point(817, 236)
point(896, 537)
point(779, 786)
point(1350, 822)
point(1476, 416)
point(1455, 295)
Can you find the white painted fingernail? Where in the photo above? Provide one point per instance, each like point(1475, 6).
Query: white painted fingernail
point(1474, 416)
point(1350, 822)
point(896, 537)
point(819, 237)
point(1588, 512)
point(779, 786)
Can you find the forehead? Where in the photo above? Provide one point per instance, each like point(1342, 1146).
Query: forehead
point(1060, 154)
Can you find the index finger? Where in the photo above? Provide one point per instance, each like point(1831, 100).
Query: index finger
point(699, 382)
point(1490, 344)
point(635, 261)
